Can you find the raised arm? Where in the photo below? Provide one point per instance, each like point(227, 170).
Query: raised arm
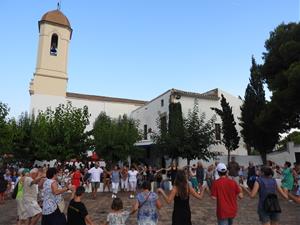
point(241, 194)
point(37, 180)
point(254, 191)
point(282, 193)
point(56, 190)
point(294, 198)
point(168, 198)
point(195, 194)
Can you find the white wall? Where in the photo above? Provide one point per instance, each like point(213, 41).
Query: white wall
point(112, 109)
point(149, 113)
point(281, 157)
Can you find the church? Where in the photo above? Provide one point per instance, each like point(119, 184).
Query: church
point(48, 88)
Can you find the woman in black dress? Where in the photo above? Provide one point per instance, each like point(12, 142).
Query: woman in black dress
point(180, 194)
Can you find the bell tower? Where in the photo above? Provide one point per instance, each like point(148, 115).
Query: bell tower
point(50, 77)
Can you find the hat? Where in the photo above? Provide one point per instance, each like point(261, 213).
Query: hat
point(221, 167)
point(26, 170)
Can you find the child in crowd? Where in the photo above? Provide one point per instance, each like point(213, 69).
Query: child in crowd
point(77, 212)
point(117, 216)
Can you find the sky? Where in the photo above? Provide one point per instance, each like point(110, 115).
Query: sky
point(138, 49)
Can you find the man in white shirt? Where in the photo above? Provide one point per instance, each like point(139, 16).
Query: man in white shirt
point(95, 172)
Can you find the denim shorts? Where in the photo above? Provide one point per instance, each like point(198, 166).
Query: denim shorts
point(95, 185)
point(228, 221)
point(265, 217)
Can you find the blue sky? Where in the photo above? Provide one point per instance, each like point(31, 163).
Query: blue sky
point(141, 48)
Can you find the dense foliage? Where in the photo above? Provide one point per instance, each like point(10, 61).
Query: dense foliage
point(53, 134)
point(115, 138)
point(189, 137)
point(281, 71)
point(259, 127)
point(199, 135)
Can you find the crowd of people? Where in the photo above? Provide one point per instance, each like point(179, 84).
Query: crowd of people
point(39, 191)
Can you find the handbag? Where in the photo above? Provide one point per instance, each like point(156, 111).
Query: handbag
point(61, 206)
point(15, 191)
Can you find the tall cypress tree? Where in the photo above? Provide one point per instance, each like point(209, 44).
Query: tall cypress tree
point(230, 135)
point(253, 105)
point(175, 131)
point(260, 120)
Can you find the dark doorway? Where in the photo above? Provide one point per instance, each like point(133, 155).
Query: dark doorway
point(297, 156)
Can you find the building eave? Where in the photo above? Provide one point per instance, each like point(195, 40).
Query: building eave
point(104, 99)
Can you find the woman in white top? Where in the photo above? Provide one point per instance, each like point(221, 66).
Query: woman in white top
point(132, 179)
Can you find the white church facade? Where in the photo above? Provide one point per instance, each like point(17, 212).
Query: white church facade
point(48, 88)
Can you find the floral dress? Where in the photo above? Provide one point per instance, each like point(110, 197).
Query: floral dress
point(147, 214)
point(117, 218)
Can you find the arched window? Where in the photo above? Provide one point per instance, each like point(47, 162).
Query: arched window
point(54, 45)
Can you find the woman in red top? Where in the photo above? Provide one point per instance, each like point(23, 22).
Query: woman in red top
point(76, 177)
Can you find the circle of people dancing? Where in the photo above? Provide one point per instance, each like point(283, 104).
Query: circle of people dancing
point(39, 191)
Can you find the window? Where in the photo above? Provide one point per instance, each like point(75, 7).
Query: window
point(145, 132)
point(162, 103)
point(163, 124)
point(218, 131)
point(54, 45)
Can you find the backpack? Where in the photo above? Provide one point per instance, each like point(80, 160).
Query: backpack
point(271, 203)
point(15, 191)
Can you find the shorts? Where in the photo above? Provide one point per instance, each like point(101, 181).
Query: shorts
point(95, 185)
point(265, 217)
point(32, 207)
point(132, 185)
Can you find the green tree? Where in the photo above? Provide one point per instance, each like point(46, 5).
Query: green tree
point(267, 130)
point(230, 135)
point(253, 105)
point(67, 136)
point(200, 135)
point(115, 138)
point(23, 147)
point(259, 127)
point(175, 138)
point(281, 71)
point(53, 134)
point(5, 130)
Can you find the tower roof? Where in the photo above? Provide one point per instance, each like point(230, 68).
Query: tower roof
point(56, 17)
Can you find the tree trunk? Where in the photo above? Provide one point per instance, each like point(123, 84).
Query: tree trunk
point(263, 155)
point(249, 152)
point(228, 157)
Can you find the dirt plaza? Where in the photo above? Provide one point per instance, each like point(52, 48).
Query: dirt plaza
point(203, 212)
